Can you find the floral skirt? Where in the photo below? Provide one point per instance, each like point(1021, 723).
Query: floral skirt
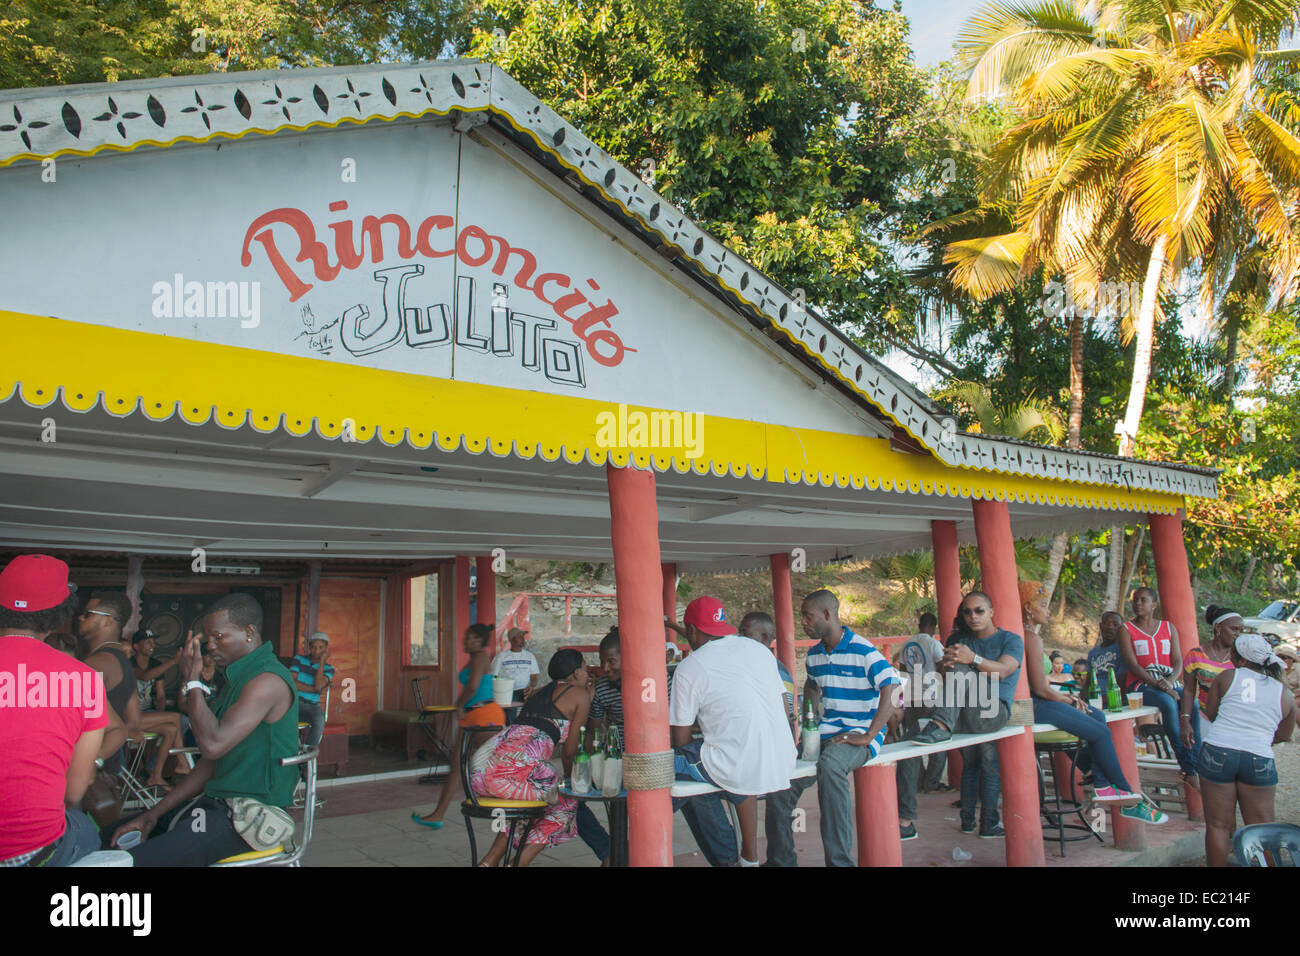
point(520, 769)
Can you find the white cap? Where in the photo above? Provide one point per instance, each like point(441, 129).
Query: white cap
point(320, 636)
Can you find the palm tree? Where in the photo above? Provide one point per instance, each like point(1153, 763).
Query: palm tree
point(1150, 141)
point(1021, 421)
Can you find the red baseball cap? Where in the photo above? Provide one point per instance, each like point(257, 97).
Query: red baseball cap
point(706, 613)
point(34, 582)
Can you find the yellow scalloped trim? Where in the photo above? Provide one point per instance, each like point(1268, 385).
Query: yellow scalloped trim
point(126, 372)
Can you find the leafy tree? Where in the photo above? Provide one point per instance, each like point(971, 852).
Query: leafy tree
point(781, 126)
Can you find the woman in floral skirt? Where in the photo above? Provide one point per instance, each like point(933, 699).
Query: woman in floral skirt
point(517, 762)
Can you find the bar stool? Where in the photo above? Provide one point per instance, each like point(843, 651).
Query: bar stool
point(1052, 743)
point(430, 715)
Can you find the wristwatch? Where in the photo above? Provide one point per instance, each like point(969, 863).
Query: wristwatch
point(977, 661)
point(207, 691)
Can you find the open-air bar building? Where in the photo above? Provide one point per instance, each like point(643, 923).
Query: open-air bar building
point(337, 335)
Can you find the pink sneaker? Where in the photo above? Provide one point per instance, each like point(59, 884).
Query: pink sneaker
point(1113, 795)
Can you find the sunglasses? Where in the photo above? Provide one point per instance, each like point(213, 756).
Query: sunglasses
point(87, 612)
point(974, 610)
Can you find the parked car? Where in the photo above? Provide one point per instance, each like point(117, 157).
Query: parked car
point(1278, 623)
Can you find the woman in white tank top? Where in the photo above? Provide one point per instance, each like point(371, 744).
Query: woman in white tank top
point(1249, 710)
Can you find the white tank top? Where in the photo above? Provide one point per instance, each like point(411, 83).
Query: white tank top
point(1249, 714)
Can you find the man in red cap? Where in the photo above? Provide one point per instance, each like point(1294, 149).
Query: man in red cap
point(730, 686)
point(53, 717)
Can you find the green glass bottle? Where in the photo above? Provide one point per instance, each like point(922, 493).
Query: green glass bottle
point(1113, 700)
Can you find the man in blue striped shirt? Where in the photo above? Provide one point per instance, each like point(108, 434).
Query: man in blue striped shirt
point(849, 676)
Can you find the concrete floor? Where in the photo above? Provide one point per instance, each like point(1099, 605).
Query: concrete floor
point(368, 824)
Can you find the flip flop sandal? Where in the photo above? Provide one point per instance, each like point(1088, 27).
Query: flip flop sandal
point(431, 824)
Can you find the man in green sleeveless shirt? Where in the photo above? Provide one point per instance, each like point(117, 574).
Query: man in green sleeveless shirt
point(243, 734)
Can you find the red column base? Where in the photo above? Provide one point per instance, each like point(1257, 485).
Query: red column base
point(875, 805)
point(954, 769)
point(650, 814)
point(1021, 813)
point(1129, 834)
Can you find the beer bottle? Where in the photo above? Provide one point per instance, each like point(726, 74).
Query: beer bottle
point(810, 739)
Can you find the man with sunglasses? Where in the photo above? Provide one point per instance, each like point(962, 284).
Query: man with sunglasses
point(977, 651)
point(99, 626)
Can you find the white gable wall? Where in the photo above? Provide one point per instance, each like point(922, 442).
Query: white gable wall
point(106, 243)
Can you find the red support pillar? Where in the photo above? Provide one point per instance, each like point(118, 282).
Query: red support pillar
point(947, 574)
point(638, 576)
point(485, 612)
point(669, 572)
point(461, 608)
point(1129, 834)
point(1020, 809)
point(1177, 604)
point(783, 608)
point(875, 801)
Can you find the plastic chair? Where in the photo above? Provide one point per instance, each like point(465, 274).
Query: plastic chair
point(291, 854)
point(514, 812)
point(1051, 743)
point(1260, 843)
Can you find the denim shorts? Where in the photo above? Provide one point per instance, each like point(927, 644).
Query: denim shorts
point(1220, 765)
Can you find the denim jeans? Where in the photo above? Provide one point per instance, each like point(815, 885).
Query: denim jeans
point(838, 827)
point(79, 839)
point(1091, 728)
point(1168, 704)
point(778, 822)
point(309, 713)
point(705, 815)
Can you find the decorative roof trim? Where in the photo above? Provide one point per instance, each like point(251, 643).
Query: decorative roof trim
point(89, 119)
point(82, 367)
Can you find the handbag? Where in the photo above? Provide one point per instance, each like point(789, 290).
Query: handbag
point(262, 827)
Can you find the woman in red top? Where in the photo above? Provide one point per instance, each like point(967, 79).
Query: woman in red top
point(1149, 647)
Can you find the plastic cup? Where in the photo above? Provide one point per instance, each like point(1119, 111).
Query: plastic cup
point(1134, 701)
point(129, 840)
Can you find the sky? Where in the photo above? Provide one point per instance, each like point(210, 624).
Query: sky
point(935, 24)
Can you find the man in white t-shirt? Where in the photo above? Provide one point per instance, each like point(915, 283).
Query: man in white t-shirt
point(730, 687)
point(518, 665)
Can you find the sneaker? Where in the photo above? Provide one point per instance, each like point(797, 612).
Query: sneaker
point(1114, 795)
point(967, 824)
point(994, 832)
point(935, 733)
point(908, 832)
point(1145, 812)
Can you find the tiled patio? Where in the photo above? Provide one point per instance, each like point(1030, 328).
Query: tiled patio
point(368, 824)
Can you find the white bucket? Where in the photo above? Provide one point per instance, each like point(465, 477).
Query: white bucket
point(503, 691)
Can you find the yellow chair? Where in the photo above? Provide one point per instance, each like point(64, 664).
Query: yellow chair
point(514, 812)
point(291, 853)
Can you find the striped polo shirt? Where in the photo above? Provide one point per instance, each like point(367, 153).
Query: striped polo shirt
point(850, 677)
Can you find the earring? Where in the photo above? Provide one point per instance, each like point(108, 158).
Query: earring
point(249, 640)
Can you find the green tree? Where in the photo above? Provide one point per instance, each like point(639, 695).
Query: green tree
point(781, 126)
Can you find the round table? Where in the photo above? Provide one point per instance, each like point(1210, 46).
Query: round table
point(616, 807)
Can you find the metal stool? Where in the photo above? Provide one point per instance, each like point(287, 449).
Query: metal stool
point(1051, 743)
point(429, 716)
